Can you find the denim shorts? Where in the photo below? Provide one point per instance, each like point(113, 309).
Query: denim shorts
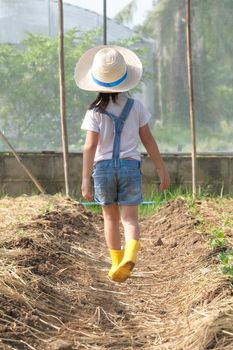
point(118, 183)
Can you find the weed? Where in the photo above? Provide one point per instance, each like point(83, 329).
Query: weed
point(22, 219)
point(21, 233)
point(191, 204)
point(47, 208)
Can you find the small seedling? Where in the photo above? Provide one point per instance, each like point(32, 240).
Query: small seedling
point(217, 239)
point(21, 233)
point(226, 259)
point(225, 256)
point(192, 205)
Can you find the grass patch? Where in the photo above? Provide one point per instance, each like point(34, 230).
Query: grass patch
point(153, 199)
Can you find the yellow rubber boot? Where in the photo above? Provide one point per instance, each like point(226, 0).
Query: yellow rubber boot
point(123, 270)
point(116, 256)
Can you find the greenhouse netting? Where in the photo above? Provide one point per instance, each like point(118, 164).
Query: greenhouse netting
point(29, 89)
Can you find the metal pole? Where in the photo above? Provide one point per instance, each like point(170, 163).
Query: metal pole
point(191, 95)
point(62, 96)
point(105, 21)
point(34, 180)
point(49, 17)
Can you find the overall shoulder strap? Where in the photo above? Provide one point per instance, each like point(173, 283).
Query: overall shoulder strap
point(110, 115)
point(126, 110)
point(118, 126)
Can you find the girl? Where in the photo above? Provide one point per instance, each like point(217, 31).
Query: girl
point(114, 124)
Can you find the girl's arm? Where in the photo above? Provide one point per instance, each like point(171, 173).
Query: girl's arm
point(152, 149)
point(88, 161)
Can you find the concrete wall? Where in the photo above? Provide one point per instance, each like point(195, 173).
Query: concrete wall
point(215, 171)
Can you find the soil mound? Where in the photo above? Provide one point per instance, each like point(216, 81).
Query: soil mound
point(55, 293)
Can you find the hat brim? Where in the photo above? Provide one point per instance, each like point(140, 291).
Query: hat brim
point(84, 79)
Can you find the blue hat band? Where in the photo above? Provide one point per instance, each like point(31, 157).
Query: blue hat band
point(113, 83)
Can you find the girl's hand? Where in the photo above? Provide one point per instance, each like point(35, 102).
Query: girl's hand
point(86, 189)
point(164, 180)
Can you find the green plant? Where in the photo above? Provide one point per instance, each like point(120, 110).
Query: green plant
point(46, 208)
point(226, 259)
point(191, 204)
point(21, 233)
point(217, 239)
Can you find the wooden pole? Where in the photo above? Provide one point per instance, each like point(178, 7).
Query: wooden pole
point(105, 21)
point(34, 180)
point(191, 95)
point(62, 96)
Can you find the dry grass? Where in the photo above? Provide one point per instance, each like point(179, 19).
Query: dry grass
point(54, 285)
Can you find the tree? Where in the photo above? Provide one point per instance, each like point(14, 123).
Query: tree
point(212, 26)
point(166, 25)
point(29, 90)
point(213, 56)
point(126, 14)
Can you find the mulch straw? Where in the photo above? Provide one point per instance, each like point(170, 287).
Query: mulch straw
point(54, 284)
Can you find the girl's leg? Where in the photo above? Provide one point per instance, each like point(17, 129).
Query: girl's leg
point(111, 226)
point(129, 219)
point(112, 235)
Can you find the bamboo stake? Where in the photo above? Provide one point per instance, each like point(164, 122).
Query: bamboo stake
point(62, 96)
point(34, 180)
point(191, 95)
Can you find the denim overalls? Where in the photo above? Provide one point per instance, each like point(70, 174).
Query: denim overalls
point(118, 180)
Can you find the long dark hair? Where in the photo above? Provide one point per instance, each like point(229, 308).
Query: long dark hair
point(102, 101)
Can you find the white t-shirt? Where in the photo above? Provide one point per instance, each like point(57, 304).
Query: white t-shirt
point(102, 124)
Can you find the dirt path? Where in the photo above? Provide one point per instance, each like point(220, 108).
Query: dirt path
point(55, 294)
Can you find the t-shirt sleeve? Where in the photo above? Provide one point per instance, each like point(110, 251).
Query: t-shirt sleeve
point(144, 114)
point(90, 122)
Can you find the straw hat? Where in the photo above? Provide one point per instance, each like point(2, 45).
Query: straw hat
point(108, 68)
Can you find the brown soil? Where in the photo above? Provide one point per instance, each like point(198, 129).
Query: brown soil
point(55, 293)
